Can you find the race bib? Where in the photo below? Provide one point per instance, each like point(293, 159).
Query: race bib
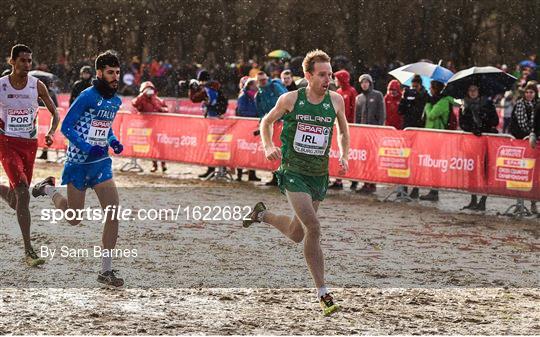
point(99, 130)
point(311, 139)
point(20, 120)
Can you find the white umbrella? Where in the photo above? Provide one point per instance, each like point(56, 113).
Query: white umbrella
point(432, 71)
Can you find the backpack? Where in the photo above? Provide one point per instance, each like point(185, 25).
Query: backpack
point(221, 103)
point(221, 100)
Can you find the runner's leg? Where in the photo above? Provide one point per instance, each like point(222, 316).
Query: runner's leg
point(108, 196)
point(8, 195)
point(290, 227)
point(22, 207)
point(75, 201)
point(303, 206)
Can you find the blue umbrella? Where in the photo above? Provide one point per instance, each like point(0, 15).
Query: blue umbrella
point(428, 72)
point(528, 64)
point(434, 71)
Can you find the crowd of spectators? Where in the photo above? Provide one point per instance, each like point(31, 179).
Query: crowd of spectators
point(166, 73)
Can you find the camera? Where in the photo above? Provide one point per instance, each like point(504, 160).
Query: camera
point(185, 85)
point(410, 92)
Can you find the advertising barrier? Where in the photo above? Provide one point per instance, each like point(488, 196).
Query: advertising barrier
point(495, 165)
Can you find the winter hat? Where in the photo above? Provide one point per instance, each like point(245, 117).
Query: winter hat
point(365, 77)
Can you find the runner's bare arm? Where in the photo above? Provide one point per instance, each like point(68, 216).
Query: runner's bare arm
point(284, 105)
point(43, 93)
point(343, 132)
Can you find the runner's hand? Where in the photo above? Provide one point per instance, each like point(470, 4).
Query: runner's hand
point(117, 147)
point(344, 166)
point(49, 140)
point(272, 153)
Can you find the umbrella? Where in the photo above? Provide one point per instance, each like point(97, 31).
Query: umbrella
point(406, 77)
point(490, 80)
point(280, 54)
point(528, 64)
point(433, 71)
point(43, 76)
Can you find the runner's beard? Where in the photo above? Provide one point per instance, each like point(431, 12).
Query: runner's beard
point(111, 85)
point(104, 87)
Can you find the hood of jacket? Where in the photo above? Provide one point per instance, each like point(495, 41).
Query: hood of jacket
point(146, 85)
point(394, 85)
point(344, 78)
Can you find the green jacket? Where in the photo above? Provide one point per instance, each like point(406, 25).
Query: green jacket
point(437, 114)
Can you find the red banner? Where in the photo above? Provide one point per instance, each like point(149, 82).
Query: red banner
point(449, 160)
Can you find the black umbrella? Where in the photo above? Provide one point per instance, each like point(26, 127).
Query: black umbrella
point(490, 80)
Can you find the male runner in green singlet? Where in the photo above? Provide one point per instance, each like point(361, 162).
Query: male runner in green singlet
point(308, 119)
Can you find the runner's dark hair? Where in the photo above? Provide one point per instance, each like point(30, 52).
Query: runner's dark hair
point(19, 48)
point(107, 58)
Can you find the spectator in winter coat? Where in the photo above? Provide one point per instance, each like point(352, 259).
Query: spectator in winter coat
point(369, 110)
point(437, 113)
point(266, 98)
point(478, 115)
point(247, 108)
point(391, 103)
point(148, 101)
point(287, 80)
point(523, 124)
point(348, 92)
point(411, 105)
point(206, 91)
point(84, 82)
point(370, 107)
point(268, 93)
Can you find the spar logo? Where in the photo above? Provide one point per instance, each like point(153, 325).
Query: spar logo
point(17, 112)
point(101, 124)
point(319, 130)
point(393, 156)
point(513, 168)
